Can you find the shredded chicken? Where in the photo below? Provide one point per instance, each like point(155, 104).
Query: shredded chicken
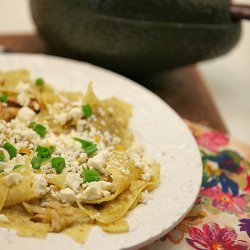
point(8, 113)
point(13, 103)
point(56, 215)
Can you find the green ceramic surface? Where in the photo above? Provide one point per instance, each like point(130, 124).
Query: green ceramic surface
point(137, 37)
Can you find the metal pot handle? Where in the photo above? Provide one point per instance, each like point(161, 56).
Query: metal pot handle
point(240, 11)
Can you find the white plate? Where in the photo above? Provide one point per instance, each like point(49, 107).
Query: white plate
point(164, 135)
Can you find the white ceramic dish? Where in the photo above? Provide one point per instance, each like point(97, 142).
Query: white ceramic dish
point(164, 135)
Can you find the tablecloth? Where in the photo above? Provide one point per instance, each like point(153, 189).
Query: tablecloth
point(220, 218)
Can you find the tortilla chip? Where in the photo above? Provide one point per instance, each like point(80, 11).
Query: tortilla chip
point(79, 233)
point(119, 226)
point(3, 193)
point(113, 210)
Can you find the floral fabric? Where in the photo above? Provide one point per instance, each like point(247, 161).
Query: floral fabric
point(220, 218)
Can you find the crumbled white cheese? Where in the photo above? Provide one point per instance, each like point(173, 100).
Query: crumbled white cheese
point(105, 193)
point(96, 190)
point(66, 195)
point(147, 173)
point(73, 180)
point(98, 161)
point(124, 170)
point(8, 166)
point(91, 193)
point(17, 133)
point(25, 114)
point(93, 132)
point(3, 218)
point(104, 185)
point(76, 112)
point(40, 184)
point(136, 159)
point(101, 147)
point(36, 106)
point(13, 179)
point(68, 148)
point(61, 118)
point(80, 125)
point(144, 197)
point(83, 157)
point(23, 99)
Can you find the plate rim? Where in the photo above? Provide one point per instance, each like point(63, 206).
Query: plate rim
point(130, 82)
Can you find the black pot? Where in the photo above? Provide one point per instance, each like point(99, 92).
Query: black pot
point(137, 37)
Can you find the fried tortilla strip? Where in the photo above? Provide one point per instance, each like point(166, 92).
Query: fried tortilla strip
point(116, 118)
point(119, 226)
point(152, 185)
point(79, 233)
point(113, 210)
point(33, 229)
point(121, 181)
point(73, 96)
point(90, 97)
point(3, 193)
point(11, 78)
point(22, 191)
point(57, 180)
point(137, 200)
point(155, 178)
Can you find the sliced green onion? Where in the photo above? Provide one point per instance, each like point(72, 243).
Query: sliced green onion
point(17, 166)
point(44, 153)
point(87, 111)
point(90, 150)
point(1, 171)
point(58, 163)
point(39, 82)
point(3, 98)
point(89, 147)
point(1, 156)
point(36, 162)
point(32, 125)
point(90, 175)
point(10, 149)
point(84, 143)
point(38, 128)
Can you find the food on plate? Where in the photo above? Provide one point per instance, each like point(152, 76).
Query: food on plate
point(68, 160)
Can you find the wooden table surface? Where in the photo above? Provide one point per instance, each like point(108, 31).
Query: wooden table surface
point(183, 89)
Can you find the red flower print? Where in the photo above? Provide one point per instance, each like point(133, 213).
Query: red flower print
point(247, 188)
point(198, 200)
point(225, 201)
point(212, 140)
point(212, 237)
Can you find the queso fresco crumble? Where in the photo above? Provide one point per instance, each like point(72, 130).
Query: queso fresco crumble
point(77, 152)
